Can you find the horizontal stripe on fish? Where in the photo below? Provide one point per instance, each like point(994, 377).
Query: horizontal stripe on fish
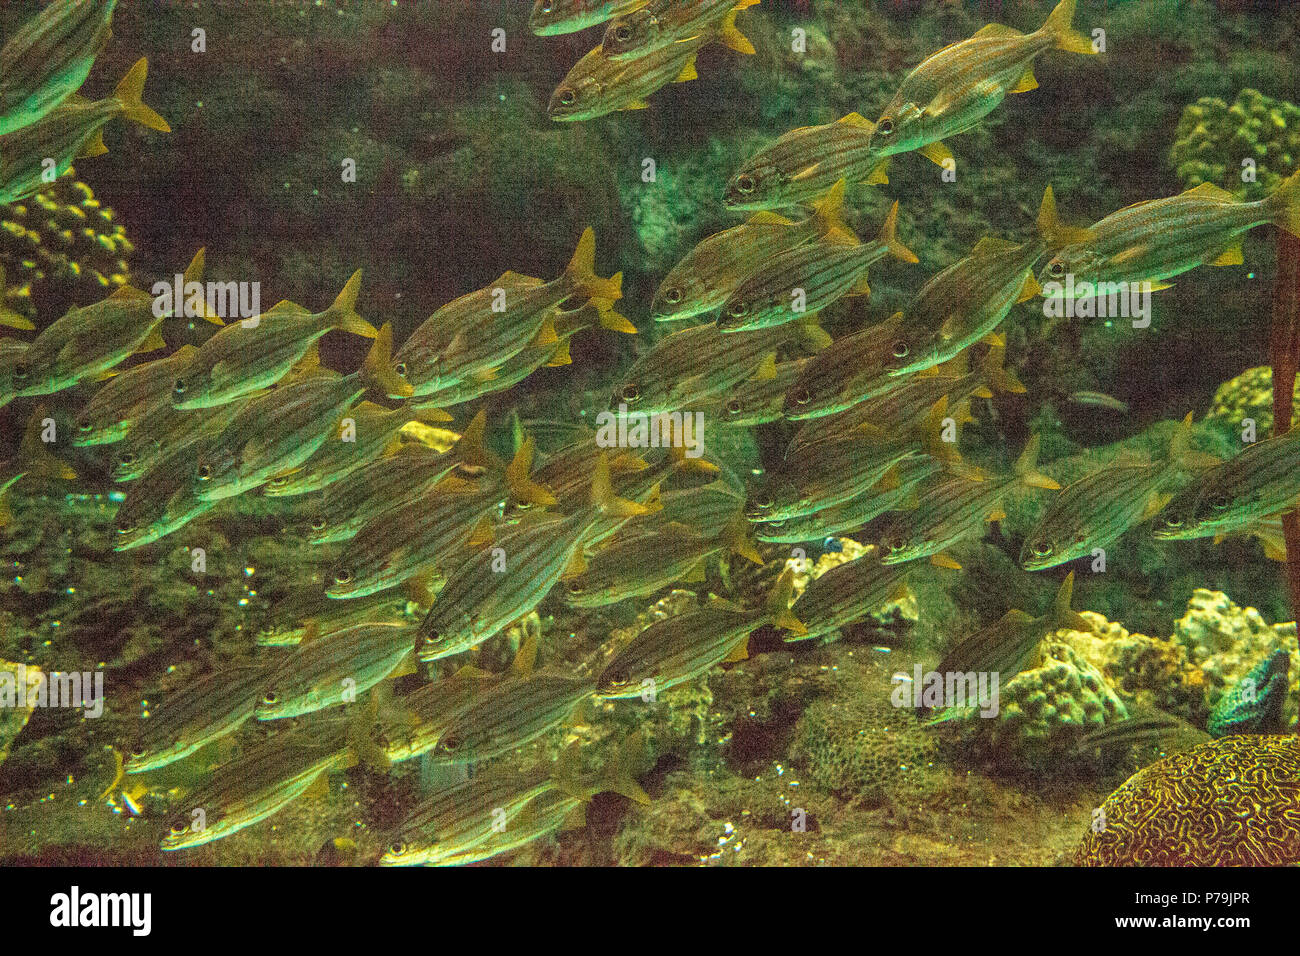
point(510, 714)
point(125, 399)
point(597, 85)
point(847, 593)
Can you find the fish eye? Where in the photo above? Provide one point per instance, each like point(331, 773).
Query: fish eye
point(126, 458)
point(548, 6)
point(622, 33)
point(734, 406)
point(204, 472)
point(84, 426)
point(896, 543)
point(400, 369)
point(673, 296)
point(801, 396)
point(137, 751)
point(1173, 521)
point(21, 370)
point(568, 98)
point(738, 309)
point(125, 526)
point(1041, 549)
point(318, 524)
point(269, 697)
point(885, 127)
point(1056, 268)
point(900, 349)
point(618, 676)
point(1219, 502)
point(763, 504)
point(343, 576)
point(576, 587)
point(399, 848)
point(630, 393)
point(179, 828)
point(451, 743)
point(179, 387)
point(745, 184)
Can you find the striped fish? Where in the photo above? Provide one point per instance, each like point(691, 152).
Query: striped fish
point(955, 88)
point(956, 509)
point(161, 501)
point(713, 269)
point(547, 812)
point(847, 593)
point(510, 714)
point(256, 785)
point(205, 710)
point(301, 617)
point(32, 458)
point(760, 400)
point(71, 130)
point(332, 669)
point(889, 494)
point(513, 370)
point(663, 22)
point(1150, 242)
point(804, 163)
point(163, 430)
point(1260, 482)
point(680, 648)
point(253, 354)
point(49, 58)
point(694, 366)
point(12, 353)
point(554, 17)
point(597, 85)
point(797, 284)
point(124, 400)
point(473, 336)
point(707, 509)
point(1097, 510)
point(851, 372)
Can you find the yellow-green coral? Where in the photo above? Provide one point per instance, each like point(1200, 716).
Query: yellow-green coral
point(1249, 395)
point(61, 237)
point(1214, 141)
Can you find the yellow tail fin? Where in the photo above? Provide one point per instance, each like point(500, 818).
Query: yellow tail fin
point(194, 273)
point(1050, 227)
point(377, 370)
point(889, 237)
point(827, 211)
point(343, 311)
point(1060, 25)
point(1286, 204)
point(129, 93)
point(604, 498)
point(778, 605)
point(582, 271)
point(521, 486)
point(729, 36)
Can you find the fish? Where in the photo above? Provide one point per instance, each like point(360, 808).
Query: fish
point(968, 300)
point(127, 398)
point(1125, 733)
point(88, 341)
point(1097, 510)
point(952, 90)
point(32, 459)
point(641, 562)
point(332, 669)
point(49, 58)
point(12, 352)
point(299, 618)
point(1099, 400)
point(761, 399)
point(1269, 531)
point(1148, 243)
point(663, 22)
point(709, 509)
point(853, 371)
point(802, 281)
point(896, 492)
point(1255, 704)
point(247, 356)
point(906, 404)
point(555, 17)
point(365, 433)
point(476, 334)
point(258, 783)
point(204, 710)
point(1009, 644)
point(677, 649)
point(278, 432)
point(162, 500)
point(956, 509)
point(71, 130)
point(832, 472)
point(800, 166)
point(1259, 482)
point(503, 582)
point(847, 593)
point(509, 714)
point(695, 365)
point(711, 271)
point(163, 430)
point(598, 86)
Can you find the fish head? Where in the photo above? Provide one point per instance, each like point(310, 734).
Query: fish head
point(192, 388)
point(801, 397)
point(218, 466)
point(759, 184)
point(130, 461)
point(902, 128)
point(276, 703)
point(399, 851)
point(576, 98)
point(1193, 513)
point(899, 542)
point(766, 501)
point(555, 17)
point(680, 296)
point(630, 394)
point(1070, 273)
point(1047, 548)
point(344, 581)
point(629, 34)
point(913, 349)
point(619, 679)
point(747, 307)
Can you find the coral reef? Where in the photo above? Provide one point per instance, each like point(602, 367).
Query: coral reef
point(1247, 148)
point(1248, 395)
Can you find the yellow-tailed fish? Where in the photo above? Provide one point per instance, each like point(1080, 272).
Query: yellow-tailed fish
point(124, 400)
point(663, 22)
point(252, 354)
point(680, 648)
point(33, 458)
point(955, 88)
point(554, 17)
point(11, 353)
point(597, 85)
point(304, 616)
point(90, 340)
point(712, 270)
point(1144, 245)
point(49, 58)
point(277, 432)
point(162, 500)
point(761, 399)
point(256, 785)
point(851, 372)
point(797, 284)
point(473, 336)
point(804, 163)
point(332, 669)
point(71, 130)
point(162, 431)
point(1097, 510)
point(955, 509)
point(847, 593)
point(194, 716)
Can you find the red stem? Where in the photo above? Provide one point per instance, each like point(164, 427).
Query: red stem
point(1285, 354)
